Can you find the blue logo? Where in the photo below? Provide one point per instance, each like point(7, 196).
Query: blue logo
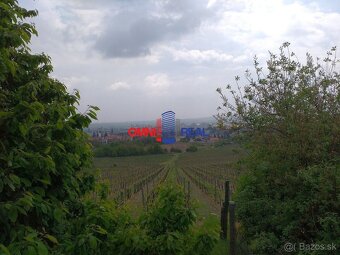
point(193, 132)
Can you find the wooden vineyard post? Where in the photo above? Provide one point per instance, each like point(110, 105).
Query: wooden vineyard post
point(232, 237)
point(147, 196)
point(147, 191)
point(188, 195)
point(224, 212)
point(215, 191)
point(223, 233)
point(226, 204)
point(121, 197)
point(143, 197)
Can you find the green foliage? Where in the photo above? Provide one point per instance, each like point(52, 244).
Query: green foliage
point(192, 148)
point(175, 150)
point(203, 243)
point(42, 146)
point(169, 213)
point(289, 120)
point(95, 230)
point(224, 142)
point(169, 224)
point(125, 149)
point(155, 149)
point(167, 228)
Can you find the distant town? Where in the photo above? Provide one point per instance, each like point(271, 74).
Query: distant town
point(105, 133)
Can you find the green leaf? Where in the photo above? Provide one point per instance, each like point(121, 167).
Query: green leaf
point(51, 238)
point(26, 201)
point(96, 108)
point(22, 210)
point(23, 129)
point(58, 214)
point(42, 249)
point(4, 6)
point(45, 181)
point(31, 251)
point(40, 191)
point(30, 237)
point(59, 124)
point(61, 146)
point(5, 114)
point(4, 249)
point(92, 115)
point(26, 182)
point(15, 179)
point(13, 214)
point(47, 150)
point(93, 242)
point(43, 208)
point(100, 230)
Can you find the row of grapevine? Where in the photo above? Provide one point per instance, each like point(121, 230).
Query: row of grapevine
point(208, 175)
point(126, 180)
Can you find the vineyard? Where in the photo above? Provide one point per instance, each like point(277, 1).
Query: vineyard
point(133, 180)
point(207, 170)
point(128, 177)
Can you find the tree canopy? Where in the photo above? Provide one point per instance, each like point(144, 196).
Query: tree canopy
point(288, 117)
point(43, 149)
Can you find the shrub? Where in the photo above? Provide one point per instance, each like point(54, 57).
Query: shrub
point(175, 150)
point(289, 121)
point(126, 149)
point(167, 228)
point(192, 148)
point(169, 224)
point(155, 149)
point(43, 147)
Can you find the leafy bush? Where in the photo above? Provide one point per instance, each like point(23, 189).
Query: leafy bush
point(43, 147)
point(192, 148)
point(169, 224)
point(289, 120)
point(175, 150)
point(127, 149)
point(155, 149)
point(224, 142)
point(167, 228)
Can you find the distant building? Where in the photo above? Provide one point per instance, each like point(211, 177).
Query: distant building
point(109, 138)
point(178, 128)
point(168, 127)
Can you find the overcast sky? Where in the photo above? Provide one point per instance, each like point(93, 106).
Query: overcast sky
point(138, 58)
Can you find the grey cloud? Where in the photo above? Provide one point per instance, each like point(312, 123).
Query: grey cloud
point(136, 28)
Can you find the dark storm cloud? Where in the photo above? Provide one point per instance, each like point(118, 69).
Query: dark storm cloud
point(136, 27)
